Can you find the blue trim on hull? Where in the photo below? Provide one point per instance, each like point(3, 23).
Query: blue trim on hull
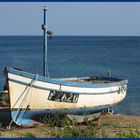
point(116, 82)
point(45, 88)
point(24, 117)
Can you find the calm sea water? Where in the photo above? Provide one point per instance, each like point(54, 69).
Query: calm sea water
point(70, 56)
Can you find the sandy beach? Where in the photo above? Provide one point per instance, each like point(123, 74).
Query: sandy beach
point(108, 126)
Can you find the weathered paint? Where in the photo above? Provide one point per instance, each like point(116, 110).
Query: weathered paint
point(38, 99)
point(29, 118)
point(83, 118)
point(31, 96)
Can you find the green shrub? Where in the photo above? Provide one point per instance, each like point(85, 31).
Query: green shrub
point(4, 100)
point(130, 134)
point(73, 131)
point(28, 135)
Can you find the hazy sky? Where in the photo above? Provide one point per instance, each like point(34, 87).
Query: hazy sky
point(71, 18)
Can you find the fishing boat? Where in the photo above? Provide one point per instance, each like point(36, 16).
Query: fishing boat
point(33, 95)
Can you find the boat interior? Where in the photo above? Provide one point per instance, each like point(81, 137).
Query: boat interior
point(91, 79)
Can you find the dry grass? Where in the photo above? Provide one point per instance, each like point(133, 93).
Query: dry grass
point(110, 126)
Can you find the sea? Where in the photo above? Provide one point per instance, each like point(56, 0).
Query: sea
point(77, 56)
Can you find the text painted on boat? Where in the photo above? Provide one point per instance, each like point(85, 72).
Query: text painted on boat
point(59, 96)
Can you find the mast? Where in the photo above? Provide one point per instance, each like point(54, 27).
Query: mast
point(44, 27)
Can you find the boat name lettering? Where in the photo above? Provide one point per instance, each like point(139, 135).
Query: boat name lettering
point(60, 96)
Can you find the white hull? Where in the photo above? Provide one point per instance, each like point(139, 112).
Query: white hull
point(37, 94)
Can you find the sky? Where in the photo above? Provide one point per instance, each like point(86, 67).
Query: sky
point(71, 18)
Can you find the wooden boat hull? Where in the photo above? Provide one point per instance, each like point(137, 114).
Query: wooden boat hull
point(32, 95)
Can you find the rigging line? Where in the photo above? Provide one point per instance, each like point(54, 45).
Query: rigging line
point(28, 89)
point(28, 104)
point(28, 86)
point(16, 115)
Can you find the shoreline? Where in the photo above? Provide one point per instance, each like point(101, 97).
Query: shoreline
point(108, 126)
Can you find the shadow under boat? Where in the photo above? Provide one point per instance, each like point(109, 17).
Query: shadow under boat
point(5, 116)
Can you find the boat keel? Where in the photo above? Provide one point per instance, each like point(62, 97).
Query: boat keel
point(84, 118)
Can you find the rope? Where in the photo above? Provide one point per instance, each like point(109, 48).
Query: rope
point(28, 89)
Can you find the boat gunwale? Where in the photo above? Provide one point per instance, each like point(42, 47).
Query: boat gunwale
point(50, 89)
point(118, 81)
